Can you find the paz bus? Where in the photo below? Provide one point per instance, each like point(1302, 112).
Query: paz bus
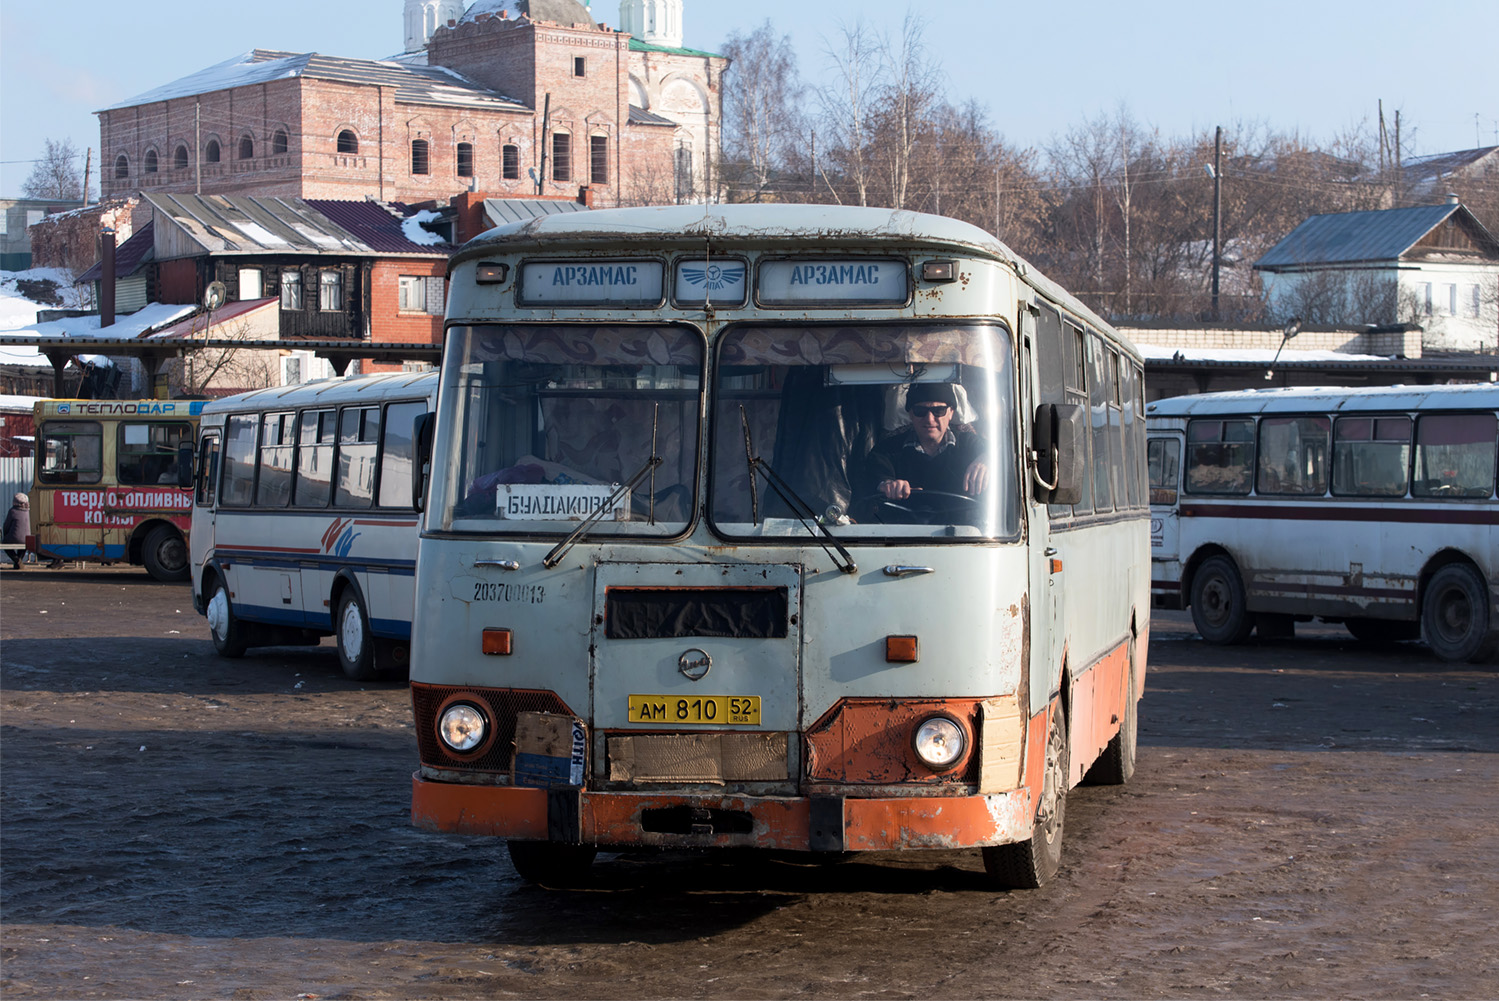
point(111, 482)
point(303, 524)
point(669, 592)
point(1371, 507)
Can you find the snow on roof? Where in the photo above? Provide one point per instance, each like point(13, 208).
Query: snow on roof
point(14, 403)
point(255, 66)
point(124, 328)
point(18, 312)
point(1155, 352)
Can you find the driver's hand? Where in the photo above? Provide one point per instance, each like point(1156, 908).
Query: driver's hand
point(895, 489)
point(976, 479)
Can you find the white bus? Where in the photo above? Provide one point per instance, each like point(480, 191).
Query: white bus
point(738, 534)
point(1372, 507)
point(303, 519)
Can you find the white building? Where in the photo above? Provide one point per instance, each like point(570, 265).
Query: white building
point(1434, 265)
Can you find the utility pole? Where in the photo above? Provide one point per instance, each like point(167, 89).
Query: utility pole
point(1217, 215)
point(88, 166)
point(198, 142)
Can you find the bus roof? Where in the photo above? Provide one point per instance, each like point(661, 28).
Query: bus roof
point(743, 227)
point(1331, 399)
point(328, 391)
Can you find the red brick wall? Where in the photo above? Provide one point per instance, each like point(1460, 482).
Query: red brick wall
point(387, 323)
point(71, 240)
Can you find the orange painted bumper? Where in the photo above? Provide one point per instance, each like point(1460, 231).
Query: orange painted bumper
point(615, 818)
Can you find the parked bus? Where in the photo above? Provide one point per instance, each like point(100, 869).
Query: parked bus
point(685, 581)
point(303, 524)
point(1371, 507)
point(112, 482)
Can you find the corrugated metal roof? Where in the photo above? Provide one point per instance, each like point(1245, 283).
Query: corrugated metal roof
point(129, 256)
point(203, 326)
point(412, 84)
point(1350, 237)
point(507, 210)
point(639, 116)
point(379, 227)
point(1438, 165)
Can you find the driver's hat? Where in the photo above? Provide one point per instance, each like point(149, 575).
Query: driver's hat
point(931, 392)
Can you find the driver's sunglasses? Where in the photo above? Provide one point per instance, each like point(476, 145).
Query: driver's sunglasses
point(940, 411)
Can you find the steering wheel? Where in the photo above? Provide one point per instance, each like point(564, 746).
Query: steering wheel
point(924, 507)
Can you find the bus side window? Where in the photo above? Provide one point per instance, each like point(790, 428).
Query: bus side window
point(1220, 456)
point(1293, 456)
point(1165, 460)
point(1101, 396)
point(238, 487)
point(1371, 456)
point(71, 452)
point(1454, 456)
point(398, 453)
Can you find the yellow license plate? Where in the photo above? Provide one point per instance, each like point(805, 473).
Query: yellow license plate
point(670, 710)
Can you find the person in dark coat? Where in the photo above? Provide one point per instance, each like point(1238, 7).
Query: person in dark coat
point(931, 454)
point(17, 527)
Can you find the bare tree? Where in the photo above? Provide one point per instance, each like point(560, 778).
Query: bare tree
point(845, 108)
point(225, 369)
point(763, 121)
point(905, 104)
point(58, 174)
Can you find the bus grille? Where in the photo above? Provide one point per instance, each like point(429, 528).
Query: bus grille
point(504, 704)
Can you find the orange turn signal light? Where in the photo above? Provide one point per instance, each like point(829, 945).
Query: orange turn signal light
point(900, 649)
point(497, 642)
point(1056, 566)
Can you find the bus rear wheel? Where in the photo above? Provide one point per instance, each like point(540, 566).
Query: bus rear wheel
point(356, 648)
point(165, 554)
point(548, 863)
point(1455, 614)
point(1218, 602)
point(1027, 865)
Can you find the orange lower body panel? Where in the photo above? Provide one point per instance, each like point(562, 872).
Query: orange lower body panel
point(615, 818)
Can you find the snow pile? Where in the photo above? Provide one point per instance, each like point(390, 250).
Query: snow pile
point(411, 228)
point(17, 312)
point(18, 316)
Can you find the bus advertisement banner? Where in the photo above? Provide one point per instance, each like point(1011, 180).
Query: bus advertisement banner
point(103, 507)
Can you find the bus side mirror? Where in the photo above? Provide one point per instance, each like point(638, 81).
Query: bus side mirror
point(1057, 459)
point(185, 464)
point(421, 436)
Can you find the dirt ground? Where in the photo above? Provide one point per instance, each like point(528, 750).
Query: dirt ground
point(1310, 819)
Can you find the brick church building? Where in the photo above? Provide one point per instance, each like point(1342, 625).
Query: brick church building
point(506, 98)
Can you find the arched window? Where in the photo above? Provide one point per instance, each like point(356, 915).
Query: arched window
point(122, 166)
point(211, 151)
point(278, 142)
point(562, 156)
point(246, 148)
point(348, 142)
point(421, 160)
point(510, 162)
point(598, 159)
point(179, 158)
point(151, 164)
point(465, 159)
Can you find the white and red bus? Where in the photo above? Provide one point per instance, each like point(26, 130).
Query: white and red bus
point(303, 522)
point(1371, 507)
point(112, 482)
point(670, 592)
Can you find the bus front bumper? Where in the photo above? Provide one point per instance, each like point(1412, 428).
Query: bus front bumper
point(634, 819)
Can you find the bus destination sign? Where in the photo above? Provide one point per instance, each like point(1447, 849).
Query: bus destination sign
point(860, 281)
point(635, 283)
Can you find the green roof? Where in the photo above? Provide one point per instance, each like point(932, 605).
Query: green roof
point(636, 45)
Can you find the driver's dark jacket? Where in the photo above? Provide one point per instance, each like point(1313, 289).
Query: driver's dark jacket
point(901, 457)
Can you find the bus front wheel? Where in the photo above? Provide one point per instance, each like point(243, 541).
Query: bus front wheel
point(1218, 604)
point(1027, 865)
point(227, 631)
point(165, 554)
point(548, 863)
point(356, 648)
point(1455, 614)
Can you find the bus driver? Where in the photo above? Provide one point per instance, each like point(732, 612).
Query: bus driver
point(930, 454)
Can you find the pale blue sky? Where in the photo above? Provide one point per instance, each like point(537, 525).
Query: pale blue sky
point(1317, 66)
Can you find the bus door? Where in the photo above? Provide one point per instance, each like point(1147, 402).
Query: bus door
point(205, 495)
point(1047, 632)
point(1164, 452)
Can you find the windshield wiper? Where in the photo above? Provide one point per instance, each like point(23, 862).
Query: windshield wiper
point(560, 549)
point(793, 500)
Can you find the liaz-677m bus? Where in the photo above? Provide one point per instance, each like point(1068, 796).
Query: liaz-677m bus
point(111, 482)
point(805, 528)
point(1372, 507)
point(303, 522)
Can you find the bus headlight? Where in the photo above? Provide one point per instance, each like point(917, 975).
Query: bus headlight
point(462, 727)
point(940, 742)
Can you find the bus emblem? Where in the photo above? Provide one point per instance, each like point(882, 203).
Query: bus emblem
point(695, 664)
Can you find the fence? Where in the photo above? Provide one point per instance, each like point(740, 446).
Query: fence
point(15, 477)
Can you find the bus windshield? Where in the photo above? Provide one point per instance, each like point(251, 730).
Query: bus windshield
point(554, 422)
point(830, 419)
